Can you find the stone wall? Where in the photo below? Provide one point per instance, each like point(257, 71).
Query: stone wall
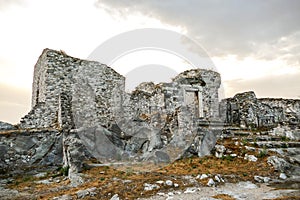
point(56, 73)
point(288, 109)
point(99, 89)
point(204, 84)
point(246, 111)
point(154, 115)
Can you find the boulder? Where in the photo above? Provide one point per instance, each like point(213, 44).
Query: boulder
point(279, 163)
point(251, 158)
point(220, 150)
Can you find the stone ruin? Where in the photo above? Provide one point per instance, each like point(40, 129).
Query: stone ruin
point(83, 111)
point(246, 111)
point(80, 111)
point(58, 77)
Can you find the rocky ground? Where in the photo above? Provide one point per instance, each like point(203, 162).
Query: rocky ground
point(244, 166)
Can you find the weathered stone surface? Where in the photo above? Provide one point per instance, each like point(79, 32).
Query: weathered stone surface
point(261, 179)
point(279, 163)
point(6, 126)
point(208, 143)
point(87, 192)
point(251, 158)
point(56, 73)
point(247, 111)
point(7, 194)
point(220, 150)
point(282, 176)
point(115, 197)
point(63, 197)
point(27, 148)
point(210, 182)
point(149, 187)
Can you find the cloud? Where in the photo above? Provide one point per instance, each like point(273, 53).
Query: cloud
point(6, 3)
point(149, 73)
point(14, 103)
point(280, 86)
point(226, 27)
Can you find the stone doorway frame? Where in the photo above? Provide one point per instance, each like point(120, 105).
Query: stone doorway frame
point(197, 91)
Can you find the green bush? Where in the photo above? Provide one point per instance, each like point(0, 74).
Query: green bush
point(228, 158)
point(262, 153)
point(64, 171)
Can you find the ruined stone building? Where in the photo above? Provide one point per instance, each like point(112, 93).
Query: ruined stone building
point(56, 74)
point(73, 94)
point(80, 110)
point(246, 111)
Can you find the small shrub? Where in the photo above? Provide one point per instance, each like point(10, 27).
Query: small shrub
point(228, 158)
point(129, 171)
point(263, 153)
point(64, 171)
point(244, 141)
point(244, 152)
point(27, 178)
point(284, 138)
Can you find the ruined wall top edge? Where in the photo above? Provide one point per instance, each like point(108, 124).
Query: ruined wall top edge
point(250, 95)
point(54, 54)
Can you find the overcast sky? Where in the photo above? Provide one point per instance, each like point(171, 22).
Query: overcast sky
point(255, 45)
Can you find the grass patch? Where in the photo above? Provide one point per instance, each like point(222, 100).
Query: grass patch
point(244, 141)
point(228, 158)
point(223, 197)
point(262, 153)
point(64, 171)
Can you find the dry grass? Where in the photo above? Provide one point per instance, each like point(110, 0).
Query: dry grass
point(223, 197)
point(129, 182)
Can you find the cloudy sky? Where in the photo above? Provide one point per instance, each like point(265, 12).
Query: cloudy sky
point(255, 45)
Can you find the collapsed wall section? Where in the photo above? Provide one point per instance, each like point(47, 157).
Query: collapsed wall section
point(153, 115)
point(94, 91)
point(246, 111)
point(19, 149)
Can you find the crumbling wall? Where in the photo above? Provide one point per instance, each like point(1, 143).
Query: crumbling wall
point(247, 111)
point(56, 73)
point(87, 101)
point(288, 109)
point(210, 94)
point(153, 115)
point(206, 83)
